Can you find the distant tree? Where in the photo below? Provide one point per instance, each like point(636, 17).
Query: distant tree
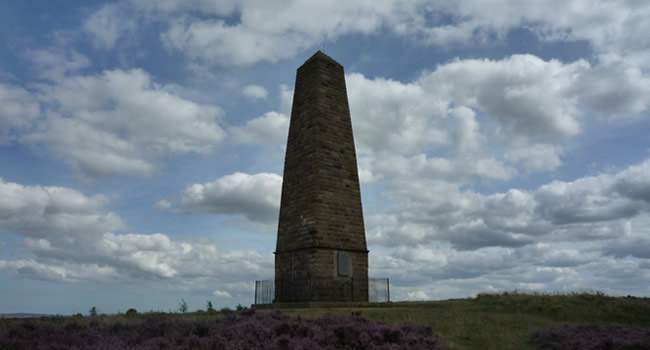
point(93, 311)
point(131, 312)
point(239, 307)
point(210, 308)
point(182, 306)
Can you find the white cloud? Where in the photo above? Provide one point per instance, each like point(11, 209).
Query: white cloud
point(286, 98)
point(108, 24)
point(65, 272)
point(417, 295)
point(536, 157)
point(592, 199)
point(500, 111)
point(613, 91)
point(221, 294)
point(467, 137)
point(271, 128)
point(556, 266)
point(137, 257)
point(202, 30)
point(524, 94)
point(213, 41)
point(256, 197)
point(422, 167)
point(615, 30)
point(224, 7)
point(438, 211)
point(389, 116)
point(163, 204)
point(255, 92)
point(53, 212)
point(18, 110)
point(295, 26)
point(90, 151)
point(54, 63)
point(68, 238)
point(119, 121)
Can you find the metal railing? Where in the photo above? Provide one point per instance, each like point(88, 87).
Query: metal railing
point(378, 290)
point(264, 292)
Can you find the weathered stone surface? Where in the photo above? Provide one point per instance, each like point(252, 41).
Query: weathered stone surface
point(320, 211)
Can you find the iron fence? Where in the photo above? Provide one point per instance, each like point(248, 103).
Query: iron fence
point(378, 290)
point(264, 292)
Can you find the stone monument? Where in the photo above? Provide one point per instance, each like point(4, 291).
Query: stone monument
point(321, 253)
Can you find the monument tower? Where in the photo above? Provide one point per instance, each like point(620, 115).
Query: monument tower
point(321, 253)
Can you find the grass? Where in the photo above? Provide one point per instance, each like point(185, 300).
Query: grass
point(504, 321)
point(488, 321)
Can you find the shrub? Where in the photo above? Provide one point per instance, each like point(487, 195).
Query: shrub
point(593, 337)
point(210, 308)
point(131, 312)
point(182, 306)
point(244, 330)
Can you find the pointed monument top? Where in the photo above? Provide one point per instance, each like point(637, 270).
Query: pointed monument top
point(320, 56)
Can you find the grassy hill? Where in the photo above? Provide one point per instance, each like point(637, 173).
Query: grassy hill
point(489, 321)
point(505, 321)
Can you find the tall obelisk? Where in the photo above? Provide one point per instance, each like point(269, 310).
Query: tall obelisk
point(321, 253)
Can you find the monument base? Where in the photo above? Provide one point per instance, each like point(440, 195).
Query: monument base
point(319, 304)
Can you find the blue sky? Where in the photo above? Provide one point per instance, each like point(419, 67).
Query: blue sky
point(501, 145)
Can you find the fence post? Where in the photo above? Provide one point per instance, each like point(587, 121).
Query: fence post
point(257, 283)
point(388, 290)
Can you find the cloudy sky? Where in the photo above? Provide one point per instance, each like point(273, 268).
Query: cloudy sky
point(501, 145)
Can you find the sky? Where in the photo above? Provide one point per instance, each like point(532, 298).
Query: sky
point(502, 145)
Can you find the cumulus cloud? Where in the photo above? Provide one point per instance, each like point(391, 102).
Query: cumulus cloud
point(256, 197)
point(18, 110)
point(152, 257)
point(614, 91)
point(119, 121)
point(467, 137)
point(516, 106)
point(417, 295)
point(389, 115)
point(255, 92)
point(437, 211)
point(634, 246)
point(543, 267)
point(536, 157)
point(66, 272)
point(424, 168)
point(271, 128)
point(614, 29)
point(296, 26)
point(53, 212)
point(199, 29)
point(108, 24)
point(525, 94)
point(591, 199)
point(221, 294)
point(54, 63)
point(69, 237)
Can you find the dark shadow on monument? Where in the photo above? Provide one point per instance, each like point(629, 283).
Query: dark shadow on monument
point(321, 254)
